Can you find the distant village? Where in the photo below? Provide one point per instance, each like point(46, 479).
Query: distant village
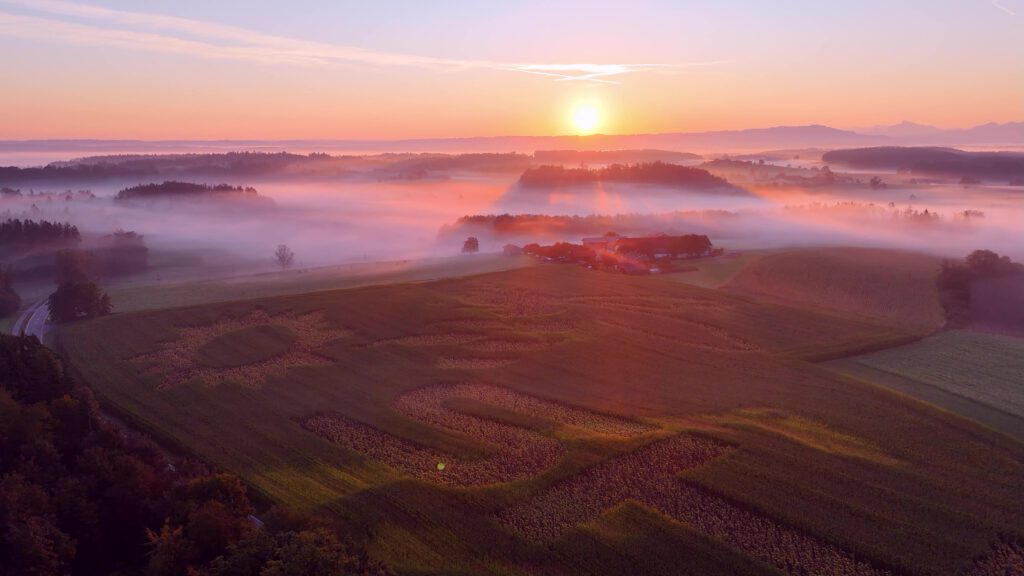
point(614, 253)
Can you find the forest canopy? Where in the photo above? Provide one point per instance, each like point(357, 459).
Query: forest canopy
point(174, 189)
point(80, 497)
point(16, 231)
point(642, 173)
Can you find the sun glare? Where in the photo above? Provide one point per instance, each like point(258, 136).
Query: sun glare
point(586, 119)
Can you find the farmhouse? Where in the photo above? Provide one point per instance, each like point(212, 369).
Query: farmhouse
point(511, 250)
point(639, 255)
point(606, 242)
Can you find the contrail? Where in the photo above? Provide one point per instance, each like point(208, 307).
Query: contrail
point(999, 4)
point(170, 34)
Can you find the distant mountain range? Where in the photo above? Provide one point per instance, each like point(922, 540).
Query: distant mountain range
point(910, 133)
point(755, 139)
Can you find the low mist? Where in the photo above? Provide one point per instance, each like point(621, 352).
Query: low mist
point(337, 221)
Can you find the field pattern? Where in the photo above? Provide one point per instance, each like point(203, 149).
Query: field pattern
point(176, 360)
point(892, 286)
point(1007, 559)
point(541, 392)
point(518, 452)
point(986, 368)
point(649, 475)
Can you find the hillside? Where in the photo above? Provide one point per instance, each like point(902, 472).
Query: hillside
point(891, 286)
point(659, 173)
point(497, 424)
point(985, 166)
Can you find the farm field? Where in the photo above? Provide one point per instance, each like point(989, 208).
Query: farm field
point(130, 297)
point(974, 374)
point(714, 272)
point(557, 420)
point(888, 285)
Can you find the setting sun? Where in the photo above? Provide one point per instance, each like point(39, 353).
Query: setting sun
point(512, 287)
point(586, 119)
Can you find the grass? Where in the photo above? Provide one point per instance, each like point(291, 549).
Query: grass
point(977, 375)
point(808, 432)
point(876, 474)
point(156, 295)
point(715, 272)
point(886, 285)
point(245, 346)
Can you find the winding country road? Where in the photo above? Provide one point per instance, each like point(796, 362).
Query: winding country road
point(32, 321)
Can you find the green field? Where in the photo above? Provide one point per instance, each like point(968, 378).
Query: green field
point(886, 285)
point(978, 375)
point(581, 376)
point(714, 272)
point(149, 293)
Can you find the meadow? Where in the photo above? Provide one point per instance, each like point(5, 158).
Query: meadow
point(152, 293)
point(887, 285)
point(975, 374)
point(558, 420)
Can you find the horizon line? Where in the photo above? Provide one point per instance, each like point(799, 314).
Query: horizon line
point(855, 130)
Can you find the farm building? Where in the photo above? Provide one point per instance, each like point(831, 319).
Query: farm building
point(606, 242)
point(638, 255)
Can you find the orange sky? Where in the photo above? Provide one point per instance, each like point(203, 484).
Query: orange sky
point(182, 70)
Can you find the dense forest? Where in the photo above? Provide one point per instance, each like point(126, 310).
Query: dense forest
point(610, 156)
point(247, 165)
point(79, 497)
point(31, 232)
point(243, 164)
point(173, 189)
point(981, 166)
point(644, 173)
point(10, 301)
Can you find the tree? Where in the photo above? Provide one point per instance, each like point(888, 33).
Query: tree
point(74, 266)
point(284, 256)
point(471, 245)
point(315, 552)
point(123, 252)
point(827, 176)
point(73, 301)
point(168, 551)
point(984, 262)
point(9, 299)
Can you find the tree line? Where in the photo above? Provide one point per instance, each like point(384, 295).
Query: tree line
point(15, 231)
point(641, 173)
point(148, 166)
point(10, 301)
point(954, 282)
point(949, 162)
point(79, 497)
point(171, 188)
point(563, 225)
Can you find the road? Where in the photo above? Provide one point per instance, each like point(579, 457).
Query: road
point(33, 321)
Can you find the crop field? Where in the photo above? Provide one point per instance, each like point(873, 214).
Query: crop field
point(896, 287)
point(557, 420)
point(981, 372)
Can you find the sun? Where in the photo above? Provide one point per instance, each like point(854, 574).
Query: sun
point(586, 119)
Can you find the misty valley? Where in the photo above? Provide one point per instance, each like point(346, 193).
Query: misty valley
point(511, 288)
